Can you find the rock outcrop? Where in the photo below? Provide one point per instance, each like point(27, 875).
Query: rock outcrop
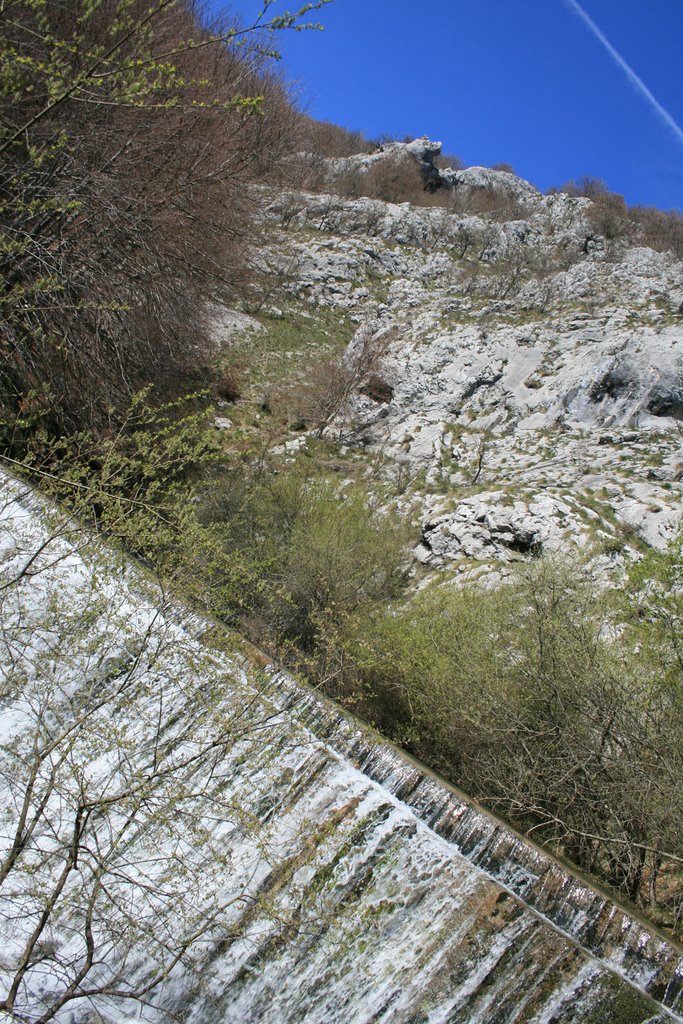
point(524, 354)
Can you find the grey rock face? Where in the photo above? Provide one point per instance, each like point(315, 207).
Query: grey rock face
point(491, 526)
point(528, 358)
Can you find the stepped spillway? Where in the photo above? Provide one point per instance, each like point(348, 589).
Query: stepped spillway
point(253, 854)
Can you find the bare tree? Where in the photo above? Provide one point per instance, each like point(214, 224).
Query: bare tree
point(324, 398)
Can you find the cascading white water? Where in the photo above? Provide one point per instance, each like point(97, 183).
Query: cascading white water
point(354, 887)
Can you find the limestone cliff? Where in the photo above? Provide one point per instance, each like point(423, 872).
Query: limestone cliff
point(531, 366)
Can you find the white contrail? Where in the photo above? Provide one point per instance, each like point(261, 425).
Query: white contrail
point(633, 78)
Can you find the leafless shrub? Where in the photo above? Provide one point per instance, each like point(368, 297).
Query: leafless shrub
point(498, 204)
point(303, 170)
point(348, 181)
point(586, 187)
point(122, 215)
point(325, 393)
point(330, 140)
point(609, 215)
point(486, 240)
point(228, 385)
point(472, 277)
point(395, 180)
point(268, 277)
point(613, 219)
point(465, 239)
point(374, 216)
point(659, 229)
point(291, 206)
point(448, 161)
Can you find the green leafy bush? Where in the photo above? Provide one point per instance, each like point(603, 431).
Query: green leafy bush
point(325, 552)
point(546, 700)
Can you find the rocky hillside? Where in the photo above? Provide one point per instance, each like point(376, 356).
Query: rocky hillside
point(515, 360)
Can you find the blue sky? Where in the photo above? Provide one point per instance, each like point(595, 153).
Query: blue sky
point(522, 81)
